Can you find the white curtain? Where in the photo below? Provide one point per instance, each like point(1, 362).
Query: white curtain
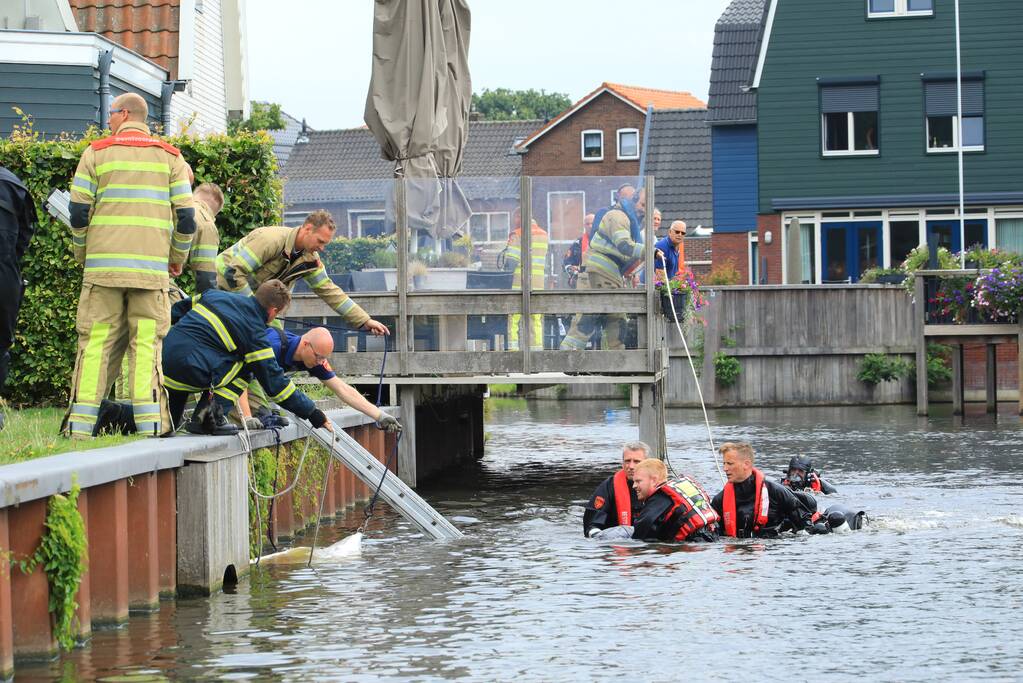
point(1009, 234)
point(806, 243)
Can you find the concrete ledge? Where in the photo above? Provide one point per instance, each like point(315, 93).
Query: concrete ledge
point(44, 477)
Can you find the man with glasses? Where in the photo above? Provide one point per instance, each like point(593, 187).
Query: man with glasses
point(669, 253)
point(311, 353)
point(132, 222)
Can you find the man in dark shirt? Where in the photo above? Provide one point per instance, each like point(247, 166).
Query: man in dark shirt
point(310, 353)
point(603, 510)
point(17, 223)
point(675, 510)
point(752, 505)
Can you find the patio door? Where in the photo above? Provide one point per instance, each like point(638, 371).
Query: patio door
point(848, 250)
point(945, 233)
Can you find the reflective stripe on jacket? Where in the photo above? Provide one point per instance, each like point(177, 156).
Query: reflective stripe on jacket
point(133, 183)
point(268, 253)
point(538, 246)
point(612, 250)
point(206, 242)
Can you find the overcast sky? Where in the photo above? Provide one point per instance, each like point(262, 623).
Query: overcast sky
point(313, 56)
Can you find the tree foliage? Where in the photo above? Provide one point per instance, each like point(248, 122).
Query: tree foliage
point(43, 355)
point(263, 116)
point(503, 104)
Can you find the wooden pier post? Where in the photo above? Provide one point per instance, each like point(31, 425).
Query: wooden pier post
point(992, 378)
point(919, 311)
point(957, 379)
point(407, 445)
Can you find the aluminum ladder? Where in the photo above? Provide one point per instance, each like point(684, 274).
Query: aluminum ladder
point(393, 490)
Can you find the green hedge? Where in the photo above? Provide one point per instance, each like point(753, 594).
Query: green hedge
point(43, 355)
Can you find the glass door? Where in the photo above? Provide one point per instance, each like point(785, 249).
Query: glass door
point(945, 233)
point(848, 250)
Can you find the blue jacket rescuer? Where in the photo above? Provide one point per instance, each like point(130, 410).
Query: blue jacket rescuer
point(218, 343)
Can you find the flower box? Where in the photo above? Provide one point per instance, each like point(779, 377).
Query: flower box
point(680, 305)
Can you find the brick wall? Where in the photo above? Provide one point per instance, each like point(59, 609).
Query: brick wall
point(559, 151)
point(770, 222)
point(732, 246)
point(975, 360)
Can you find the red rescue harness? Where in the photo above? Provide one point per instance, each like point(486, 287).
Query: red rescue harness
point(134, 139)
point(691, 509)
point(623, 499)
point(761, 502)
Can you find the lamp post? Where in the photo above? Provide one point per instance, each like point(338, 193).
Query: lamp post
point(959, 133)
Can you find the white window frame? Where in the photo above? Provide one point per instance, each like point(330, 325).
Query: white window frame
point(356, 216)
point(754, 238)
point(851, 152)
point(490, 218)
point(901, 10)
point(955, 135)
point(804, 218)
point(618, 138)
point(582, 144)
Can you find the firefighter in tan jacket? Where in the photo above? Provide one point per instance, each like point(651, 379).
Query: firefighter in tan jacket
point(132, 221)
point(209, 200)
point(287, 254)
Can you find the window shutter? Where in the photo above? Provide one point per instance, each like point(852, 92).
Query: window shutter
point(941, 98)
point(844, 98)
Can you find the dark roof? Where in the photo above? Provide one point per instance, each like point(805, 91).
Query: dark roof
point(284, 139)
point(679, 160)
point(353, 154)
point(737, 36)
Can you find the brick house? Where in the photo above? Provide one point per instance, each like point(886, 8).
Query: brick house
point(579, 158)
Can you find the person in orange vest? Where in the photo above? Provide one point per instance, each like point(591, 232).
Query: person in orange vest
point(537, 273)
point(614, 503)
point(674, 510)
point(751, 505)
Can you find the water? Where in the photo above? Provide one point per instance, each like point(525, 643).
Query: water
point(931, 591)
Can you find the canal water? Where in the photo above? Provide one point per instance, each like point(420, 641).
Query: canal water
point(933, 590)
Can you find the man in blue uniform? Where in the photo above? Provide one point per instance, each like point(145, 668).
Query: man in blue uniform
point(217, 345)
point(17, 223)
point(310, 352)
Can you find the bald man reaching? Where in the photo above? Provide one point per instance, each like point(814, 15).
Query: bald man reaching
point(310, 353)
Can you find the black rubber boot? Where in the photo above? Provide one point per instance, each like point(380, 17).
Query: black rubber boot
point(115, 418)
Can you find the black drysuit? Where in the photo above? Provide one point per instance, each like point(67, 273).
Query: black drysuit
point(651, 524)
point(17, 223)
point(601, 512)
point(784, 512)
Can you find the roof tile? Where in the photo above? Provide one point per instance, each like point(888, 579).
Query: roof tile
point(148, 27)
point(679, 158)
point(737, 38)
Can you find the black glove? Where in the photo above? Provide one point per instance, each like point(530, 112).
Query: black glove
point(818, 528)
point(317, 418)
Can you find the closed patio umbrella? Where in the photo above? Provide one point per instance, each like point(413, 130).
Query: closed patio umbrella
point(418, 105)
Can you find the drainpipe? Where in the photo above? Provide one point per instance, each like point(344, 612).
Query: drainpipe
point(166, 92)
point(106, 58)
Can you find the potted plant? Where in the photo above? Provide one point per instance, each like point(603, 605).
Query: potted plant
point(684, 293)
point(883, 276)
point(418, 270)
point(999, 294)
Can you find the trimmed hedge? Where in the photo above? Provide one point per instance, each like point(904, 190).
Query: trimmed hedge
point(42, 359)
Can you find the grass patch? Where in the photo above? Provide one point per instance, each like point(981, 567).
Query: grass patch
point(503, 389)
point(32, 433)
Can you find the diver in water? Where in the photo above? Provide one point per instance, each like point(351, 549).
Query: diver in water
point(801, 475)
point(752, 505)
point(614, 503)
point(673, 509)
point(804, 481)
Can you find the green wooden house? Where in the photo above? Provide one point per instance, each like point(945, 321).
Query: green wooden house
point(857, 133)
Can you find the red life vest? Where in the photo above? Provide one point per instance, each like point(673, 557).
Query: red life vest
point(623, 499)
point(691, 509)
point(135, 138)
point(761, 502)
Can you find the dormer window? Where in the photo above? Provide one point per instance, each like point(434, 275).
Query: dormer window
point(878, 9)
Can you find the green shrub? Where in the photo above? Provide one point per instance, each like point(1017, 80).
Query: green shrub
point(723, 273)
point(879, 367)
point(726, 369)
point(939, 369)
point(872, 274)
point(43, 354)
point(345, 255)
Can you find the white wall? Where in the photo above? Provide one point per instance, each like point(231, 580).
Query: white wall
point(202, 107)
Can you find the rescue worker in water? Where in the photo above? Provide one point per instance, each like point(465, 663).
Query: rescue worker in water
point(614, 503)
point(752, 505)
point(805, 483)
point(673, 509)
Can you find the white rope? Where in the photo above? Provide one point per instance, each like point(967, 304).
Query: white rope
point(696, 379)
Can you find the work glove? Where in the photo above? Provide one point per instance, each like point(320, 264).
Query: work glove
point(317, 418)
point(253, 423)
point(388, 423)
